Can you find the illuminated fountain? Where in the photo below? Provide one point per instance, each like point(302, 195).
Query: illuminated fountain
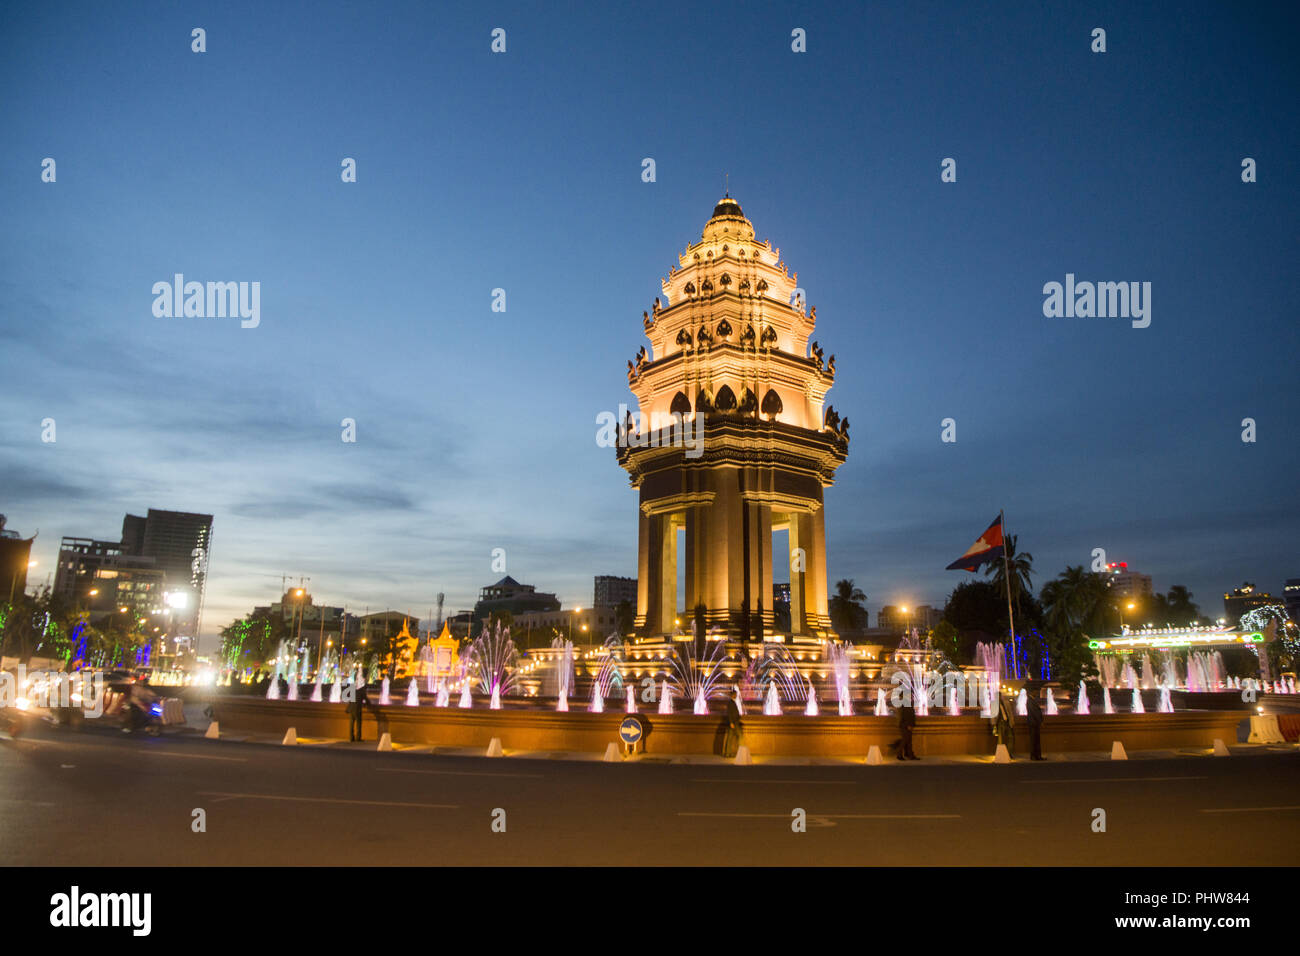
point(609, 678)
point(1106, 706)
point(444, 694)
point(413, 693)
point(336, 691)
point(1166, 705)
point(631, 699)
point(1022, 704)
point(1051, 703)
point(992, 658)
point(837, 655)
point(563, 673)
point(1148, 674)
point(882, 709)
point(1082, 706)
point(772, 703)
point(811, 710)
point(695, 678)
point(1136, 706)
point(494, 656)
point(954, 702)
point(665, 698)
point(384, 698)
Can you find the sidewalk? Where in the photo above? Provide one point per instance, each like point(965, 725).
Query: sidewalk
point(1090, 756)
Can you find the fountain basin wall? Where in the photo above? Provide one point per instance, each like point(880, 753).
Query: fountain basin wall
point(790, 735)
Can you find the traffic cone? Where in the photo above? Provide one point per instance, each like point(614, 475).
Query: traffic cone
point(213, 732)
point(1117, 751)
point(495, 749)
point(1002, 755)
point(290, 738)
point(743, 757)
point(873, 757)
point(385, 741)
point(611, 754)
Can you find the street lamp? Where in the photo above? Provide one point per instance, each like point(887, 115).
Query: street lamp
point(576, 610)
point(1130, 606)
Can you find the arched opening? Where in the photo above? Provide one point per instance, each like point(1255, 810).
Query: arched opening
point(703, 403)
point(681, 405)
point(748, 403)
point(772, 404)
point(726, 400)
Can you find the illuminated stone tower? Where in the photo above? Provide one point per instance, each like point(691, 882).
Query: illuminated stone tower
point(730, 353)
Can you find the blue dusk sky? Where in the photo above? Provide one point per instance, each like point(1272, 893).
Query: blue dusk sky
point(476, 429)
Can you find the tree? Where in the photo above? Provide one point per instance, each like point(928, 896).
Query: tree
point(1182, 612)
point(1075, 605)
point(847, 607)
point(1022, 571)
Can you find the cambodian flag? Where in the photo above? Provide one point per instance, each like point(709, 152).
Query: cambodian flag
point(987, 549)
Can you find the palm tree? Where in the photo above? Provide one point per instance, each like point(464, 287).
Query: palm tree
point(1022, 571)
point(1075, 600)
point(847, 612)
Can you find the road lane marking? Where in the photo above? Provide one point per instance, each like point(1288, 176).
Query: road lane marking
point(1109, 779)
point(173, 753)
point(760, 780)
point(832, 816)
point(1248, 809)
point(459, 773)
point(222, 795)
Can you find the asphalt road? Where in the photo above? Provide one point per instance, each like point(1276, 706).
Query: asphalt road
point(98, 798)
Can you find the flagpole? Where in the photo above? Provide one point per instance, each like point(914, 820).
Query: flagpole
point(1006, 565)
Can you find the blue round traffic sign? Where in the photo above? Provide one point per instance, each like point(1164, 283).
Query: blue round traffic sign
point(631, 729)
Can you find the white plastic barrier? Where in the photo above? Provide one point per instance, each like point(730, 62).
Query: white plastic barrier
point(1264, 730)
point(173, 710)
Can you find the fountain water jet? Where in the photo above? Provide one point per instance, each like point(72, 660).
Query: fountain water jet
point(1051, 703)
point(1082, 706)
point(666, 698)
point(882, 709)
point(1106, 706)
point(384, 698)
point(1136, 706)
point(811, 710)
point(413, 693)
point(772, 705)
point(1022, 704)
point(631, 699)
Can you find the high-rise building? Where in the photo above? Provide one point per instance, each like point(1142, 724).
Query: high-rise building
point(160, 565)
point(734, 441)
point(15, 558)
point(97, 579)
point(179, 543)
point(1291, 597)
point(612, 591)
point(1244, 599)
point(1125, 582)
